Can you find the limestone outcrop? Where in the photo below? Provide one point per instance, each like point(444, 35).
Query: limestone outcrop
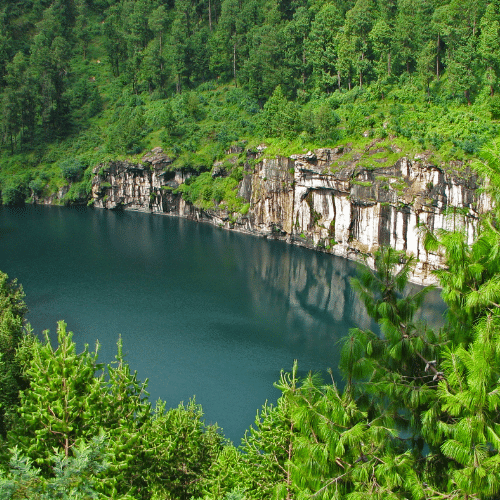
point(317, 199)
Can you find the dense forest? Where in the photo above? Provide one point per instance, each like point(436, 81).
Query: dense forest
point(418, 415)
point(85, 81)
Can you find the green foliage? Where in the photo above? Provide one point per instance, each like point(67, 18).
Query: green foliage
point(180, 450)
point(81, 81)
point(267, 448)
point(280, 118)
point(13, 356)
point(396, 364)
point(72, 169)
point(15, 190)
point(67, 70)
point(470, 398)
point(209, 191)
point(57, 410)
point(70, 400)
point(127, 130)
point(337, 449)
point(74, 477)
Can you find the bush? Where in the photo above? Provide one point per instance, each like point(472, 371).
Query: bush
point(72, 169)
point(95, 103)
point(325, 122)
point(77, 193)
point(495, 107)
point(206, 192)
point(15, 192)
point(225, 137)
point(37, 184)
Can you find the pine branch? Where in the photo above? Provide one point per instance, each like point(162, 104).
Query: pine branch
point(335, 480)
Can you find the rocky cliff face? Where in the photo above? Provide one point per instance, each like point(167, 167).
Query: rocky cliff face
point(145, 186)
point(316, 200)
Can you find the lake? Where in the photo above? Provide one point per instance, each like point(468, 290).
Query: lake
point(202, 311)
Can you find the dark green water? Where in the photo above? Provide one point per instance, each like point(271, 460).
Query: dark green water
point(202, 311)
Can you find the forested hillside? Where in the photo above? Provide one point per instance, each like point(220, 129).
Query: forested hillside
point(84, 81)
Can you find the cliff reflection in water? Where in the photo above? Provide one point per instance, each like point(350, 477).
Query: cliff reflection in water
point(308, 294)
point(320, 305)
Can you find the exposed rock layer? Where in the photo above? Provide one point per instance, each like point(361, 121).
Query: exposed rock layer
point(315, 201)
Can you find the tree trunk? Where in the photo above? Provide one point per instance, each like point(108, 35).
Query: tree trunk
point(288, 469)
point(338, 79)
point(161, 58)
point(437, 58)
point(210, 15)
point(303, 64)
point(234, 64)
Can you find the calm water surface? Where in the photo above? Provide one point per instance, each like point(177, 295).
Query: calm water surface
point(202, 311)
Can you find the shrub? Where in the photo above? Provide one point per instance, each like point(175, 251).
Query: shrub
point(77, 193)
point(15, 192)
point(495, 107)
point(324, 122)
point(72, 169)
point(12, 195)
point(37, 184)
point(95, 103)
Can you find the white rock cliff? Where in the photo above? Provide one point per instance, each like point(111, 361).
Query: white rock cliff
point(315, 200)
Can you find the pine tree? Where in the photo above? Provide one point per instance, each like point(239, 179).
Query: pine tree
point(74, 477)
point(268, 447)
point(71, 399)
point(82, 29)
point(358, 24)
point(13, 332)
point(470, 398)
point(180, 450)
point(60, 407)
point(321, 49)
point(339, 451)
point(401, 364)
point(382, 43)
point(489, 46)
point(124, 413)
point(280, 117)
